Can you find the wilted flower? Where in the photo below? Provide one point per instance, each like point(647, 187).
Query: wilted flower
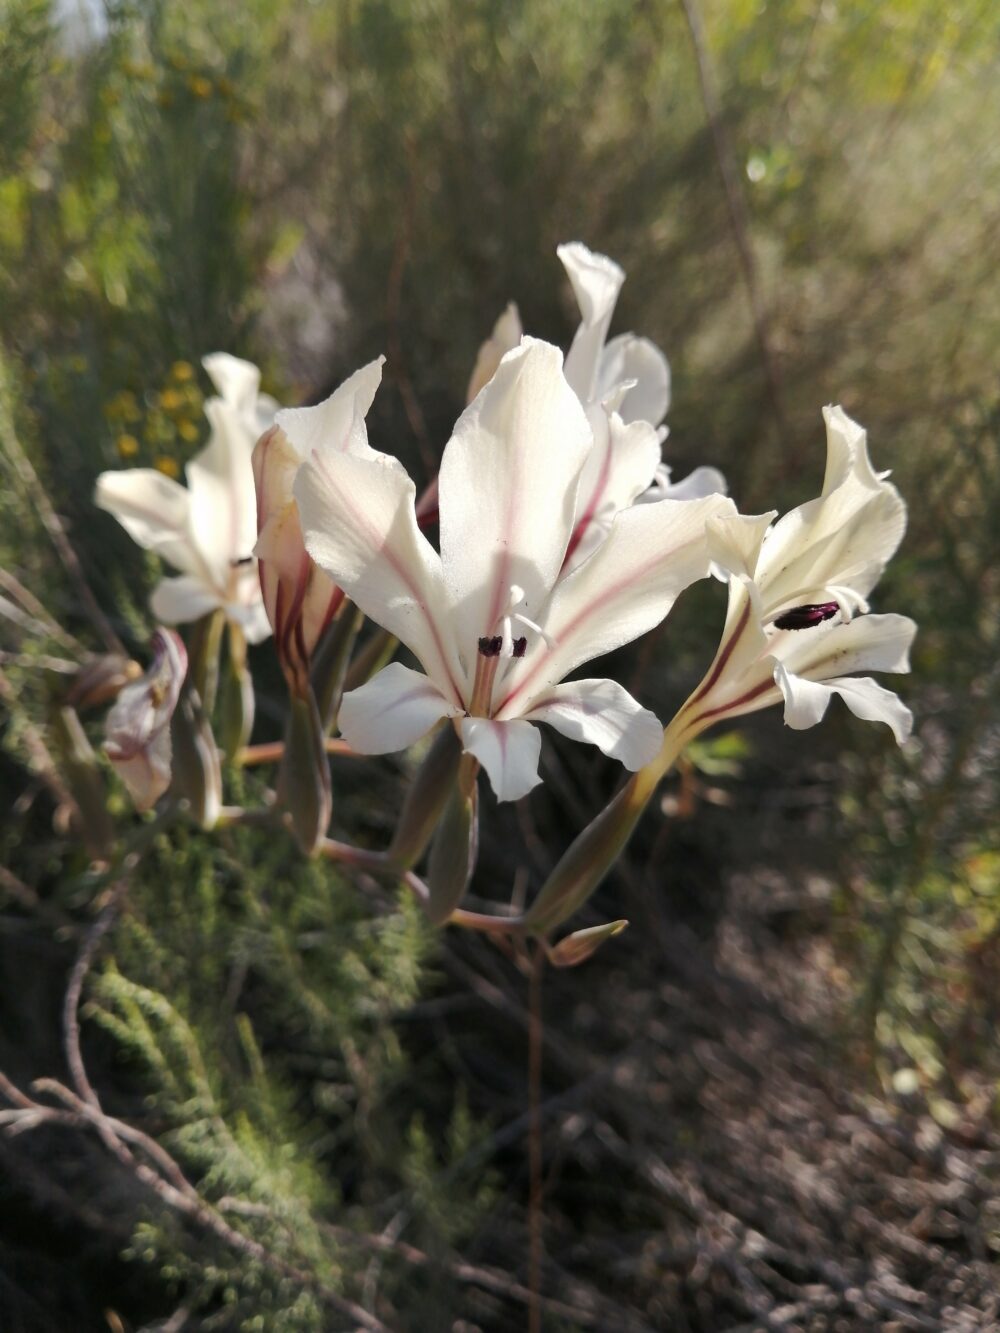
point(138, 726)
point(490, 619)
point(299, 598)
point(208, 529)
point(797, 623)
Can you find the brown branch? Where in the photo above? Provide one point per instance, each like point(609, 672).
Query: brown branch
point(30, 603)
point(172, 1187)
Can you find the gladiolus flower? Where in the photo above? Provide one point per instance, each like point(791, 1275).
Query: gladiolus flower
point(207, 529)
point(492, 619)
point(797, 624)
point(624, 387)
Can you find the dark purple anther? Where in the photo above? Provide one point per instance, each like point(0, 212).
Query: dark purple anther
point(520, 645)
point(490, 647)
point(804, 617)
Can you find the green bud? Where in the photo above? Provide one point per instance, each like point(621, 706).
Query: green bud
point(427, 797)
point(80, 771)
point(591, 856)
point(203, 654)
point(236, 697)
point(374, 655)
point(196, 775)
point(455, 845)
point(582, 944)
point(304, 779)
point(330, 662)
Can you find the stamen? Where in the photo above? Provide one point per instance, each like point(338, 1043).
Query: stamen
point(804, 617)
point(490, 647)
point(520, 646)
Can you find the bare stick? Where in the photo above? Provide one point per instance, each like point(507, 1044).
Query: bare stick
point(535, 1042)
point(30, 603)
point(74, 989)
point(270, 752)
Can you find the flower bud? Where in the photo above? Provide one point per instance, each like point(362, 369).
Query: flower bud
point(79, 770)
point(426, 799)
point(236, 697)
point(304, 779)
point(572, 950)
point(138, 727)
point(455, 846)
point(329, 668)
point(300, 600)
point(197, 777)
point(592, 855)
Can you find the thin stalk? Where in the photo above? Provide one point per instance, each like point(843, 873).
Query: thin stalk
point(536, 1035)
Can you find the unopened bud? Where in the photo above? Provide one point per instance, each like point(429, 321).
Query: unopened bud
point(572, 950)
point(236, 697)
point(197, 777)
point(304, 779)
point(205, 644)
point(591, 856)
point(455, 846)
point(80, 771)
point(427, 797)
point(329, 668)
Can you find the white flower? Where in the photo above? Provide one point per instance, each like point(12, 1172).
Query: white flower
point(797, 624)
point(299, 598)
point(138, 726)
point(206, 530)
point(624, 386)
point(490, 619)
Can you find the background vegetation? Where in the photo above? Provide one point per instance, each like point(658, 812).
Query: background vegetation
point(773, 1103)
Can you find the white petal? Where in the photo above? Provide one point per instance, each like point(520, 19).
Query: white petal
point(153, 510)
point(806, 701)
point(626, 587)
point(359, 526)
point(221, 486)
point(508, 751)
point(596, 282)
point(867, 643)
point(336, 425)
point(843, 538)
point(237, 381)
point(251, 618)
point(620, 466)
point(392, 710)
point(628, 357)
point(695, 486)
point(507, 490)
point(182, 599)
point(506, 335)
point(603, 713)
point(734, 541)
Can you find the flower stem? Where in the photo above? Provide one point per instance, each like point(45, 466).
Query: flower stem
point(535, 1161)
